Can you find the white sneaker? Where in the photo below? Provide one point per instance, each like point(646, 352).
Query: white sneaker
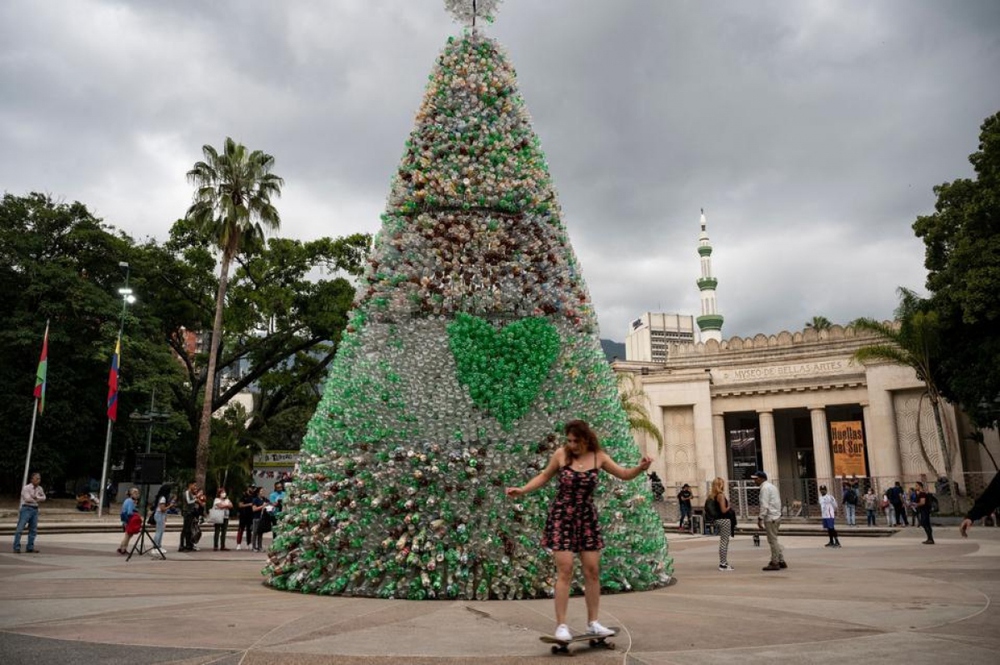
point(595, 628)
point(239, 547)
point(726, 567)
point(562, 633)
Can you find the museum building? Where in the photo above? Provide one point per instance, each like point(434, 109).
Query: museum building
point(798, 406)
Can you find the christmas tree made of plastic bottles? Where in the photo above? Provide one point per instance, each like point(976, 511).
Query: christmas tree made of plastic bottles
point(472, 342)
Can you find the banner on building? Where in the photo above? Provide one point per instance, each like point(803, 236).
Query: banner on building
point(273, 466)
point(847, 438)
point(743, 445)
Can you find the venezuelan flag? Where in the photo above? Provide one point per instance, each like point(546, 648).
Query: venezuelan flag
point(113, 383)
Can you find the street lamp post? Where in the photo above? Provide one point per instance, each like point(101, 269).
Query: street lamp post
point(127, 299)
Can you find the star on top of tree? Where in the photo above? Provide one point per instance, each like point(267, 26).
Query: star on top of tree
point(467, 11)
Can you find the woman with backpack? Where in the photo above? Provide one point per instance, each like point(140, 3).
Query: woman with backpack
point(718, 510)
point(131, 519)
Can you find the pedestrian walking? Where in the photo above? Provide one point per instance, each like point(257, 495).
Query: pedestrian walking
point(850, 499)
point(871, 504)
point(189, 511)
point(887, 509)
point(259, 503)
point(987, 502)
point(219, 517)
point(32, 494)
point(684, 502)
point(657, 488)
point(924, 512)
point(277, 497)
point(911, 506)
point(572, 526)
point(160, 511)
point(717, 506)
point(245, 510)
point(896, 497)
point(828, 511)
point(770, 519)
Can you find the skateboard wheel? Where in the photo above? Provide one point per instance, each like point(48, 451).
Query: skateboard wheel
point(555, 649)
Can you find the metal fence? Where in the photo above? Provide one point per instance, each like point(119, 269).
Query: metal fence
point(800, 498)
point(668, 508)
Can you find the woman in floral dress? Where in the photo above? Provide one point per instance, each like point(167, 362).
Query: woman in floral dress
point(572, 525)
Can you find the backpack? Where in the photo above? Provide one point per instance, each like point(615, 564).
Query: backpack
point(712, 510)
point(134, 525)
point(851, 497)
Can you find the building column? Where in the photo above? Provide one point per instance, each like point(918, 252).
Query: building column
point(883, 439)
point(719, 441)
point(866, 417)
point(821, 446)
point(768, 444)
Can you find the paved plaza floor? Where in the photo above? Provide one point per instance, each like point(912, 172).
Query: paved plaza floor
point(876, 600)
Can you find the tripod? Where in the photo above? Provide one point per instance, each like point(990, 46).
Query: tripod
point(140, 542)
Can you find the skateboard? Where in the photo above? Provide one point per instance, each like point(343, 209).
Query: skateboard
point(594, 641)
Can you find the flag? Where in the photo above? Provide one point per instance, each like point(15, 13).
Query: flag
point(113, 383)
point(43, 368)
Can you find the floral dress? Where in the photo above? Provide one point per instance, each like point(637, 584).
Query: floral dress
point(572, 522)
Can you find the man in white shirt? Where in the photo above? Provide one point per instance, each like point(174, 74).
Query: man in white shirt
point(828, 511)
point(770, 519)
point(31, 495)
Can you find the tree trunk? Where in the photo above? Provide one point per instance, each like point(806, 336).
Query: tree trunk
point(945, 452)
point(205, 428)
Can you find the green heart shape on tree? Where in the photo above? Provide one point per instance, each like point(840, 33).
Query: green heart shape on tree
point(503, 369)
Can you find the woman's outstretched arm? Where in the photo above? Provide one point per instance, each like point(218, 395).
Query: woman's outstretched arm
point(544, 476)
point(609, 465)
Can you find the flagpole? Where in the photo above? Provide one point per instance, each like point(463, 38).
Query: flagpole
point(104, 469)
point(40, 379)
point(126, 294)
point(31, 440)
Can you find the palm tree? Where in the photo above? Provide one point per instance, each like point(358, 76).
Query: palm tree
point(230, 461)
point(913, 342)
point(819, 323)
point(232, 203)
point(633, 401)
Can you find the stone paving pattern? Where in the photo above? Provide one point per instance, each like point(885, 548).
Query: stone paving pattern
point(875, 600)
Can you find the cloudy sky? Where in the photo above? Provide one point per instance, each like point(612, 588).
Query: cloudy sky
point(812, 132)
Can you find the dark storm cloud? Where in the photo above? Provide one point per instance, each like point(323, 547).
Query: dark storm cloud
point(812, 132)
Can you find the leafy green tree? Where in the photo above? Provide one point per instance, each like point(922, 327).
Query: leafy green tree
point(962, 257)
point(913, 341)
point(633, 401)
point(281, 326)
point(819, 323)
point(59, 262)
point(232, 201)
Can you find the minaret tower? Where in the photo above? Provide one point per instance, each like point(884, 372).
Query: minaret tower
point(710, 321)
